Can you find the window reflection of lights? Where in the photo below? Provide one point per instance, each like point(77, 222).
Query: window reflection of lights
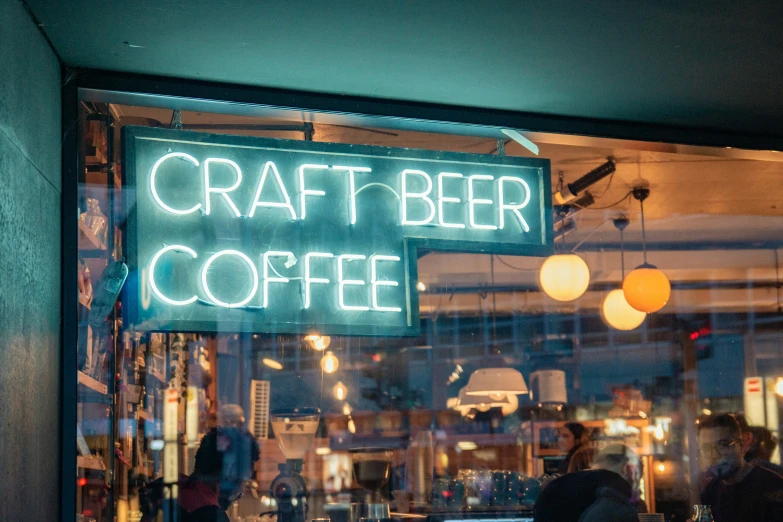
point(779, 386)
point(319, 342)
point(271, 363)
point(351, 426)
point(323, 451)
point(421, 287)
point(467, 445)
point(705, 411)
point(340, 391)
point(329, 363)
point(346, 409)
point(658, 433)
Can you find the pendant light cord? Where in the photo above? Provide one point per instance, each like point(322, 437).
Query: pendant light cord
point(622, 254)
point(644, 236)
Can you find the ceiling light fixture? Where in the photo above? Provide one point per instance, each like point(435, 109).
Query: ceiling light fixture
point(496, 383)
point(319, 342)
point(646, 288)
point(564, 277)
point(615, 310)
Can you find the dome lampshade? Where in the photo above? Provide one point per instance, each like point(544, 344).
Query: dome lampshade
point(564, 277)
point(647, 289)
point(496, 383)
point(618, 314)
point(479, 402)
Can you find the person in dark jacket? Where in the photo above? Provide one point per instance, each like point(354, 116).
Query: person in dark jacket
point(602, 494)
point(224, 462)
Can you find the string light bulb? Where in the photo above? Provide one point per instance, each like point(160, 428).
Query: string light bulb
point(329, 362)
point(340, 391)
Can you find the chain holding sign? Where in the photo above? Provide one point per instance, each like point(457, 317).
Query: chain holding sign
point(248, 234)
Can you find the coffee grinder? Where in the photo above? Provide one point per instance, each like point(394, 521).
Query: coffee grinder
point(371, 469)
point(294, 430)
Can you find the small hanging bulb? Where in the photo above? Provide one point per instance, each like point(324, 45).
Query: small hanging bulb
point(340, 391)
point(329, 362)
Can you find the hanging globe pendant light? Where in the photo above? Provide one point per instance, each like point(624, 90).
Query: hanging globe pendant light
point(615, 310)
point(617, 313)
point(564, 277)
point(646, 288)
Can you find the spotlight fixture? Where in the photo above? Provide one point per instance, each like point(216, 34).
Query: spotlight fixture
point(571, 190)
point(646, 288)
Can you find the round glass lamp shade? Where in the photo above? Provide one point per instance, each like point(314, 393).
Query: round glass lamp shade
point(647, 289)
point(618, 314)
point(564, 277)
point(496, 383)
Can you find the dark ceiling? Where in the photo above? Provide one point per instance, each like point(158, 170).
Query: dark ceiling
point(712, 65)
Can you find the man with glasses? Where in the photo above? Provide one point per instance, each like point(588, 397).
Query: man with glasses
point(736, 490)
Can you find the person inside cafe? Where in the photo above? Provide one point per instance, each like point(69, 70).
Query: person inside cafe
point(571, 438)
point(762, 447)
point(224, 462)
point(736, 490)
point(604, 493)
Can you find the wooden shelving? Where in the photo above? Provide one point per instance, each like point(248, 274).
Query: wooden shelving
point(90, 463)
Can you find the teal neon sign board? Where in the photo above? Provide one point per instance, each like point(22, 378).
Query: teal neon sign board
point(244, 234)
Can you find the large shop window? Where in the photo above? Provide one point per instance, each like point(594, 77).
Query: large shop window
point(285, 316)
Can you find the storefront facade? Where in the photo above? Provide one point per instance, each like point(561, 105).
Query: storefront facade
point(400, 253)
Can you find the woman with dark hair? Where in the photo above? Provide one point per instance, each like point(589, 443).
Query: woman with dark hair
point(571, 438)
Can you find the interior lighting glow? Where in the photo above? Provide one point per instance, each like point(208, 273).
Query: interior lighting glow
point(205, 284)
point(513, 207)
point(421, 287)
point(286, 204)
point(223, 191)
point(377, 283)
point(472, 202)
point(271, 363)
point(618, 314)
point(154, 190)
point(154, 286)
point(417, 195)
point(330, 363)
point(564, 277)
point(467, 445)
point(447, 199)
point(308, 280)
point(340, 391)
point(647, 288)
point(779, 386)
point(304, 192)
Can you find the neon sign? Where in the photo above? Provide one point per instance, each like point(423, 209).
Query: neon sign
point(245, 234)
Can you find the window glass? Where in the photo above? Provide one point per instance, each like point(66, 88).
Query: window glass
point(652, 306)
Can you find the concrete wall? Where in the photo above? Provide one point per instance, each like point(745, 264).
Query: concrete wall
point(30, 187)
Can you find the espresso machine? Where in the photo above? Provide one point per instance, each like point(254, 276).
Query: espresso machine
point(371, 469)
point(294, 430)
